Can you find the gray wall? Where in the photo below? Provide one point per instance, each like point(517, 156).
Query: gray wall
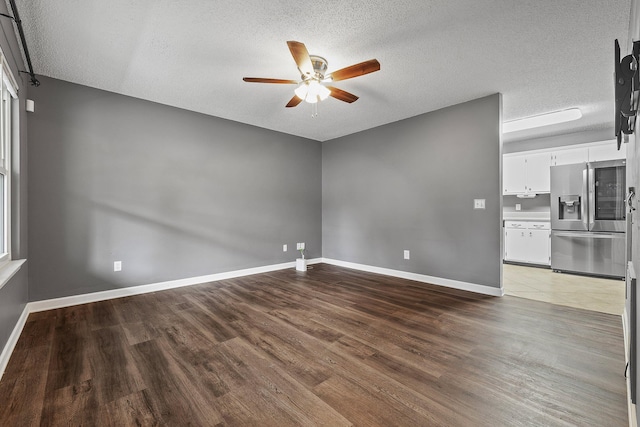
point(13, 298)
point(14, 294)
point(633, 180)
point(410, 185)
point(170, 193)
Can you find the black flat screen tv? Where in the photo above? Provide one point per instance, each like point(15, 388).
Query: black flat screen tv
point(626, 86)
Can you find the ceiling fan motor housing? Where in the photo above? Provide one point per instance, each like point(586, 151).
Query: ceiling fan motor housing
point(319, 67)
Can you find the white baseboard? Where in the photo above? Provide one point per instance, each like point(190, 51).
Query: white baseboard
point(13, 340)
point(449, 283)
point(51, 304)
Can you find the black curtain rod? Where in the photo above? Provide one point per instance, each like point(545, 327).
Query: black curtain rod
point(17, 20)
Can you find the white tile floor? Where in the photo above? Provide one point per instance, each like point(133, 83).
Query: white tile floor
point(542, 284)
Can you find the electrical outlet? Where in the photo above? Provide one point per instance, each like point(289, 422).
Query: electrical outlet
point(518, 206)
point(117, 266)
point(284, 248)
point(407, 254)
point(478, 203)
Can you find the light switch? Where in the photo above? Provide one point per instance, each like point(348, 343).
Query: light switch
point(407, 254)
point(478, 203)
point(518, 206)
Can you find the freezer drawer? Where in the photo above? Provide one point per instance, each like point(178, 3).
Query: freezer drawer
point(601, 254)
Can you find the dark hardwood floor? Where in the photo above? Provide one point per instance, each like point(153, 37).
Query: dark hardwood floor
point(332, 347)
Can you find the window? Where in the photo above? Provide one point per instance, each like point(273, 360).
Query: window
point(8, 97)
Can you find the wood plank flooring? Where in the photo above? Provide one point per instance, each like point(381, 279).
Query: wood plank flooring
point(332, 346)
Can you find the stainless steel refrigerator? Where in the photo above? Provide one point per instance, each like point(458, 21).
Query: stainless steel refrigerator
point(588, 218)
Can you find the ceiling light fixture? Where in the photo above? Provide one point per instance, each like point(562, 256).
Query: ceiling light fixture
point(313, 77)
point(542, 120)
point(312, 91)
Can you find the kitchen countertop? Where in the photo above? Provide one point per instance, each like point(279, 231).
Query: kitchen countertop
point(527, 216)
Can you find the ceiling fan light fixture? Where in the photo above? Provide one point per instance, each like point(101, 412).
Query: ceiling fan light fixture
point(312, 91)
point(313, 69)
point(302, 90)
point(316, 90)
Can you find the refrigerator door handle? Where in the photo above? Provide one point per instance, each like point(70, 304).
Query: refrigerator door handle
point(585, 199)
point(592, 199)
point(586, 235)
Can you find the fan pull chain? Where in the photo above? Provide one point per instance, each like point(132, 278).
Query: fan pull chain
point(314, 110)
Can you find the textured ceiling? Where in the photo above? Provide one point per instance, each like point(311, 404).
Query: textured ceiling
point(542, 55)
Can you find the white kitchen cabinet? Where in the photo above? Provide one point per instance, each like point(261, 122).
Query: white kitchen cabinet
point(607, 151)
point(529, 172)
point(570, 156)
point(526, 173)
point(539, 244)
point(538, 173)
point(527, 242)
point(515, 244)
point(513, 174)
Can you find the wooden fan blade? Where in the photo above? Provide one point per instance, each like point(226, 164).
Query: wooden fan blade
point(294, 101)
point(301, 56)
point(261, 80)
point(342, 95)
point(360, 69)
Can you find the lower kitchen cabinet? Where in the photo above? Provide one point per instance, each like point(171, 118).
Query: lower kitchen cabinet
point(527, 242)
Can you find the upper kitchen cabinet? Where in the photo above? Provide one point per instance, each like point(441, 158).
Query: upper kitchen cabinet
point(513, 174)
point(607, 151)
point(526, 173)
point(539, 173)
point(529, 172)
point(570, 156)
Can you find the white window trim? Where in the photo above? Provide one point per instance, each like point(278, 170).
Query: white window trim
point(5, 167)
point(12, 85)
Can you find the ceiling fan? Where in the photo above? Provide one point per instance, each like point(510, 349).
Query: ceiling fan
point(311, 88)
